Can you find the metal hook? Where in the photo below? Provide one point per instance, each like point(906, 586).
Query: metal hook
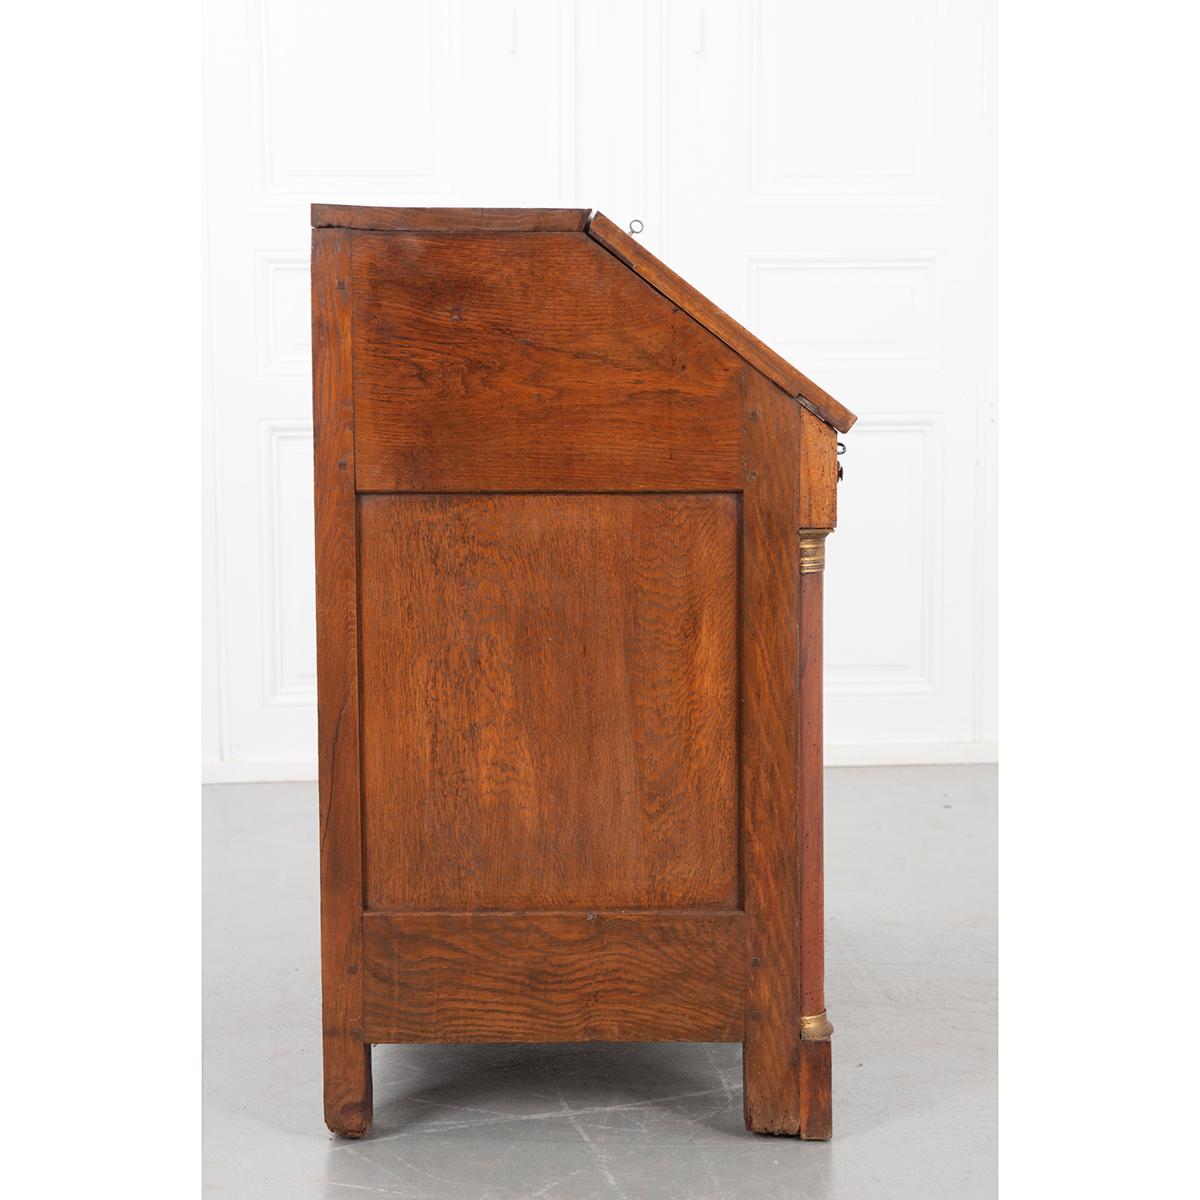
point(841, 447)
point(639, 225)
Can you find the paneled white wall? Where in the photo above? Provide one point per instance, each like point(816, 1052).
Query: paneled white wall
point(823, 171)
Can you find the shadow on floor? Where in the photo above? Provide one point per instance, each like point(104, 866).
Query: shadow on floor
point(447, 1088)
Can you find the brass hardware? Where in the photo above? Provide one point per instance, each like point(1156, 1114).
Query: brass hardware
point(812, 550)
point(815, 1029)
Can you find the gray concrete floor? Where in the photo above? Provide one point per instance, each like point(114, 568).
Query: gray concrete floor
point(911, 945)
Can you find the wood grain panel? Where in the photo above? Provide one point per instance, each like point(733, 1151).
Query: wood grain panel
point(774, 366)
point(529, 362)
point(550, 700)
point(554, 977)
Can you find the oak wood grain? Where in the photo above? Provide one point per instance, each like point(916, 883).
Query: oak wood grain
point(495, 362)
point(814, 1082)
point(347, 1057)
point(549, 691)
point(814, 1063)
point(550, 976)
point(781, 685)
point(450, 220)
point(818, 473)
point(569, 667)
point(720, 323)
point(810, 800)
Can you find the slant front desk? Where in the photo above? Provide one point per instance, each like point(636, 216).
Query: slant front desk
point(570, 527)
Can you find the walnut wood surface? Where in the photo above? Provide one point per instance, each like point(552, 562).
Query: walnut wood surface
point(347, 1058)
point(536, 977)
point(453, 220)
point(720, 323)
point(493, 362)
point(549, 695)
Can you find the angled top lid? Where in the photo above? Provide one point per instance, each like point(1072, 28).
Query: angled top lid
point(618, 243)
point(719, 323)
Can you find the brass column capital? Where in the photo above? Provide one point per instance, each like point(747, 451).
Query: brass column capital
point(815, 1028)
point(812, 550)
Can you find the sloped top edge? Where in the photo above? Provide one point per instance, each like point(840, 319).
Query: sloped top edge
point(719, 323)
point(623, 247)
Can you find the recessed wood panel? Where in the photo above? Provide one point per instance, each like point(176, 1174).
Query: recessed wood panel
point(549, 695)
point(554, 977)
point(532, 361)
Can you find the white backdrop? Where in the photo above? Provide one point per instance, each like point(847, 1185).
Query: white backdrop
point(822, 171)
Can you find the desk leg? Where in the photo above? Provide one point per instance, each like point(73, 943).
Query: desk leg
point(347, 1056)
point(816, 1110)
point(787, 1059)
